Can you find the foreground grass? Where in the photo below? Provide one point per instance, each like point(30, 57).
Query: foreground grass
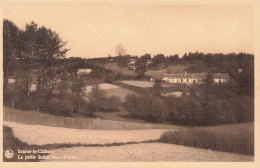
point(13, 143)
point(38, 118)
point(236, 138)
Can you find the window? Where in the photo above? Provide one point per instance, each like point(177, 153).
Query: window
point(219, 81)
point(181, 80)
point(187, 80)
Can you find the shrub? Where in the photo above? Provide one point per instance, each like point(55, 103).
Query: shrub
point(109, 78)
point(243, 106)
point(219, 111)
point(146, 107)
point(186, 110)
point(59, 106)
point(110, 104)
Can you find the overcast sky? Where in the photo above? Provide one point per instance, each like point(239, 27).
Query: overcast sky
point(93, 29)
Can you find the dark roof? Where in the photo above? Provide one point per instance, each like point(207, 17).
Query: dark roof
point(188, 76)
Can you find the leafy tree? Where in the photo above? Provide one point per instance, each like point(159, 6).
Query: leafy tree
point(78, 87)
point(11, 35)
point(95, 99)
point(146, 57)
point(157, 88)
point(173, 58)
point(63, 83)
point(246, 81)
point(141, 67)
point(209, 80)
point(159, 59)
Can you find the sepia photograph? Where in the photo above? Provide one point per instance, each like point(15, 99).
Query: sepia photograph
point(128, 81)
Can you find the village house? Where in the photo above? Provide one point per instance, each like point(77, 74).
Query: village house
point(195, 78)
point(149, 62)
point(83, 71)
point(131, 64)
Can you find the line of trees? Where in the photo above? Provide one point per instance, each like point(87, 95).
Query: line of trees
point(36, 55)
point(213, 106)
point(239, 66)
point(28, 57)
point(24, 46)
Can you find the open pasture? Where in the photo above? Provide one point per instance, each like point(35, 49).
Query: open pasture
point(112, 90)
point(38, 118)
point(143, 84)
point(122, 70)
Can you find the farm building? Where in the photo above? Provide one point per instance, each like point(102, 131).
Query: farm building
point(195, 78)
point(83, 71)
point(131, 64)
point(149, 62)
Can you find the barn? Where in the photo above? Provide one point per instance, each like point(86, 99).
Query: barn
point(84, 71)
point(194, 78)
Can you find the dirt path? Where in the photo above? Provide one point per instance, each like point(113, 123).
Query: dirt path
point(146, 152)
point(42, 135)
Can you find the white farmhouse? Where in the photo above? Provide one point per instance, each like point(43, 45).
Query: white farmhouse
point(195, 78)
point(220, 78)
point(84, 71)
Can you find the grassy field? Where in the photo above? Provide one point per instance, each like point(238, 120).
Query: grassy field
point(158, 74)
point(112, 90)
point(235, 138)
point(38, 118)
point(135, 89)
point(123, 71)
point(143, 84)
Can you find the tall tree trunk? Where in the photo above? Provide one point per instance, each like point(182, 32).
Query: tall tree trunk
point(15, 87)
point(6, 78)
point(28, 83)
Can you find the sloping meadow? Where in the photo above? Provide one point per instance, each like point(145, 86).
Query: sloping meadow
point(234, 138)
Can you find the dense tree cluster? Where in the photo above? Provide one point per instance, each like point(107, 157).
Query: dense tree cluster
point(29, 56)
point(213, 106)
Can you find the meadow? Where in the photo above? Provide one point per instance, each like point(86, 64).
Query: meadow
point(122, 71)
point(142, 84)
point(112, 90)
point(38, 118)
point(234, 138)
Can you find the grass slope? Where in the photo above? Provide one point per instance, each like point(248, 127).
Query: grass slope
point(112, 90)
point(13, 143)
point(235, 138)
point(38, 118)
point(122, 71)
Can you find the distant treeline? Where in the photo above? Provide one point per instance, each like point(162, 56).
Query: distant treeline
point(213, 105)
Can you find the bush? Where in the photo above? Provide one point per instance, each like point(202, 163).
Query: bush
point(186, 110)
point(111, 103)
point(243, 106)
point(59, 106)
point(219, 111)
point(109, 78)
point(146, 107)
